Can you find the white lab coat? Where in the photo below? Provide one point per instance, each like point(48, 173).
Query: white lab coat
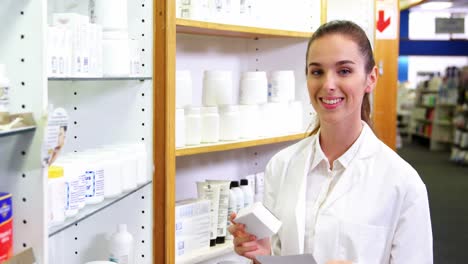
point(378, 212)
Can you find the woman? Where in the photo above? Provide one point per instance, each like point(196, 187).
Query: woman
point(342, 195)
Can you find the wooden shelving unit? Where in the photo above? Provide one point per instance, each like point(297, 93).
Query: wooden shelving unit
point(217, 29)
point(223, 146)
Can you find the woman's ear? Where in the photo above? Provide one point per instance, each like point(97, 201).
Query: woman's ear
point(371, 81)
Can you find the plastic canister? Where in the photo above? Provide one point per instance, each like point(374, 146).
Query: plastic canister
point(233, 206)
point(217, 88)
point(295, 117)
point(70, 163)
point(192, 126)
point(115, 53)
point(229, 123)
point(210, 124)
point(56, 195)
point(281, 87)
point(139, 151)
point(94, 174)
point(4, 96)
point(128, 166)
point(112, 173)
point(253, 88)
point(74, 190)
point(180, 128)
point(249, 121)
point(111, 14)
point(183, 89)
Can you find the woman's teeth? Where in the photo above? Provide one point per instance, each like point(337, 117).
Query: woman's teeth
point(334, 101)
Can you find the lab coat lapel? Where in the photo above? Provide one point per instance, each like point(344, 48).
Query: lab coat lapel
point(295, 186)
point(356, 169)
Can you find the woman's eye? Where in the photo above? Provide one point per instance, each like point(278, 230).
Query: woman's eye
point(315, 72)
point(344, 71)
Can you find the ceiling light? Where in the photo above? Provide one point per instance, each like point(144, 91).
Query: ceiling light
point(436, 5)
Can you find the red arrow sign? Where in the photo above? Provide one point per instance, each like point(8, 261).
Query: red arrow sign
point(382, 24)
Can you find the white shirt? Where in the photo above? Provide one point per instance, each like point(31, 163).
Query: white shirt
point(320, 183)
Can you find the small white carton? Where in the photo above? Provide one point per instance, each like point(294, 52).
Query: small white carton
point(258, 220)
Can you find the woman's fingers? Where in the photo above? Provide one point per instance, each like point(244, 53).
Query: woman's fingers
point(237, 229)
point(246, 247)
point(242, 240)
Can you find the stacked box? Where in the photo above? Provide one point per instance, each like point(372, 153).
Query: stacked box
point(6, 227)
point(192, 226)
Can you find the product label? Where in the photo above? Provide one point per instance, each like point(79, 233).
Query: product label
point(99, 182)
point(73, 194)
point(90, 184)
point(6, 228)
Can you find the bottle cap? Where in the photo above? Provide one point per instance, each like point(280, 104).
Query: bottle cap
point(55, 172)
point(244, 182)
point(234, 184)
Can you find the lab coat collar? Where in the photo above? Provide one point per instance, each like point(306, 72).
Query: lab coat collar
point(295, 189)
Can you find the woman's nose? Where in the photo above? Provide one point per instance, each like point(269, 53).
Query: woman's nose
point(329, 82)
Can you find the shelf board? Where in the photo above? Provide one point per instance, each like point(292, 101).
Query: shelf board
point(217, 29)
point(230, 145)
point(17, 131)
point(446, 105)
point(204, 255)
point(426, 121)
point(443, 123)
point(425, 106)
point(421, 135)
point(134, 78)
point(90, 210)
point(442, 140)
point(428, 92)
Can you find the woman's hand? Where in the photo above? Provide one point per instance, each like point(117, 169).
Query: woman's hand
point(246, 244)
point(339, 262)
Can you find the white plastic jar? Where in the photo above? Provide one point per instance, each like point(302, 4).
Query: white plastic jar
point(56, 195)
point(210, 124)
point(74, 190)
point(229, 123)
point(94, 174)
point(281, 87)
point(183, 89)
point(253, 88)
point(192, 126)
point(115, 53)
point(70, 163)
point(180, 128)
point(141, 155)
point(111, 14)
point(217, 88)
point(249, 121)
point(112, 173)
point(4, 96)
point(295, 117)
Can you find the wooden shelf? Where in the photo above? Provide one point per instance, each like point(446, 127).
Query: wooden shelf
point(213, 252)
point(216, 29)
point(230, 145)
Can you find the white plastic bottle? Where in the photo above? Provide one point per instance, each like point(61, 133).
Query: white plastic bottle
point(4, 97)
point(239, 194)
point(248, 194)
point(121, 246)
point(232, 207)
point(56, 195)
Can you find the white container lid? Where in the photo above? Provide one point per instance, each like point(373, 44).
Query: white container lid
point(217, 74)
point(228, 108)
point(192, 110)
point(254, 75)
point(209, 110)
point(115, 34)
point(282, 74)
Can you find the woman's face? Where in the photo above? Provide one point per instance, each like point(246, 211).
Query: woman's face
point(336, 79)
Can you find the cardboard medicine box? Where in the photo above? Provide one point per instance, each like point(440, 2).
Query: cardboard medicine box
point(6, 227)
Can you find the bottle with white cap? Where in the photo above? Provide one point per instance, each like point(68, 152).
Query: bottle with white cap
point(4, 96)
point(121, 246)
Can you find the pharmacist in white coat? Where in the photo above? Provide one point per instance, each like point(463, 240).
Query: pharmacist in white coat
point(343, 195)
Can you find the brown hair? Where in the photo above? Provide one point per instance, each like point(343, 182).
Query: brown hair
point(356, 34)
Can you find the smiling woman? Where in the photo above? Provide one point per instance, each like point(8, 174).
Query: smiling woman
point(341, 194)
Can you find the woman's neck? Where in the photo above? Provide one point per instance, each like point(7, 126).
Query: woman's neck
point(337, 138)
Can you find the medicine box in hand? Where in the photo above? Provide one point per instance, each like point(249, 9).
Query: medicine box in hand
point(258, 220)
